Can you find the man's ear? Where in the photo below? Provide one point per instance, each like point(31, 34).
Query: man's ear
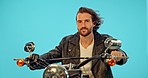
point(94, 24)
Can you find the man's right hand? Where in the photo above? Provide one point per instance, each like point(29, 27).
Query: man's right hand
point(32, 59)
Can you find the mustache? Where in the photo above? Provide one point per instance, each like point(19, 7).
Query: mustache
point(84, 28)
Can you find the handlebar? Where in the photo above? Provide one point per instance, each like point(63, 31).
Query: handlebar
point(111, 62)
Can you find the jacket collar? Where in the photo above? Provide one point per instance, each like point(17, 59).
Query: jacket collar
point(98, 38)
point(75, 39)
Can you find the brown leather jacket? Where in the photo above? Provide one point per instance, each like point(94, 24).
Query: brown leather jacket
point(69, 47)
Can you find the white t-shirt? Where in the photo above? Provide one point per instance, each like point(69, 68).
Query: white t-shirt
point(86, 52)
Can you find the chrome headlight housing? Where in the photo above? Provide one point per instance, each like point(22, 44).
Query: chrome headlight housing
point(55, 71)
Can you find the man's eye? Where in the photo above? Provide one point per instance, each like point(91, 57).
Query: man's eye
point(79, 21)
point(87, 20)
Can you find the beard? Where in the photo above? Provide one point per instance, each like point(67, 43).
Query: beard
point(84, 31)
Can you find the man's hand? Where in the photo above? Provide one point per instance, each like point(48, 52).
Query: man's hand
point(32, 61)
point(116, 55)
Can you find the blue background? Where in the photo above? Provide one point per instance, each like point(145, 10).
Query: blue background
point(46, 22)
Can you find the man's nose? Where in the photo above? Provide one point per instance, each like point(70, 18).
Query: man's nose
point(83, 24)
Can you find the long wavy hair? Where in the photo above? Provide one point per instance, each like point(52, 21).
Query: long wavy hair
point(95, 17)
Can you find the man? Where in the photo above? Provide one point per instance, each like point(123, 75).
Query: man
point(87, 42)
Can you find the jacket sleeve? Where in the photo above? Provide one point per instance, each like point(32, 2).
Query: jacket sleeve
point(54, 53)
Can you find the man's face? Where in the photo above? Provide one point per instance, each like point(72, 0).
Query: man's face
point(84, 23)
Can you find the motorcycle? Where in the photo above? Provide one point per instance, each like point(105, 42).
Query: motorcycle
point(68, 70)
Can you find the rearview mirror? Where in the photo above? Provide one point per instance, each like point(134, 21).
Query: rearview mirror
point(29, 47)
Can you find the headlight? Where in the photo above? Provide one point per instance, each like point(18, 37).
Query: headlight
point(55, 71)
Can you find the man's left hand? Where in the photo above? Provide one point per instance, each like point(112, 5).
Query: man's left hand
point(117, 55)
